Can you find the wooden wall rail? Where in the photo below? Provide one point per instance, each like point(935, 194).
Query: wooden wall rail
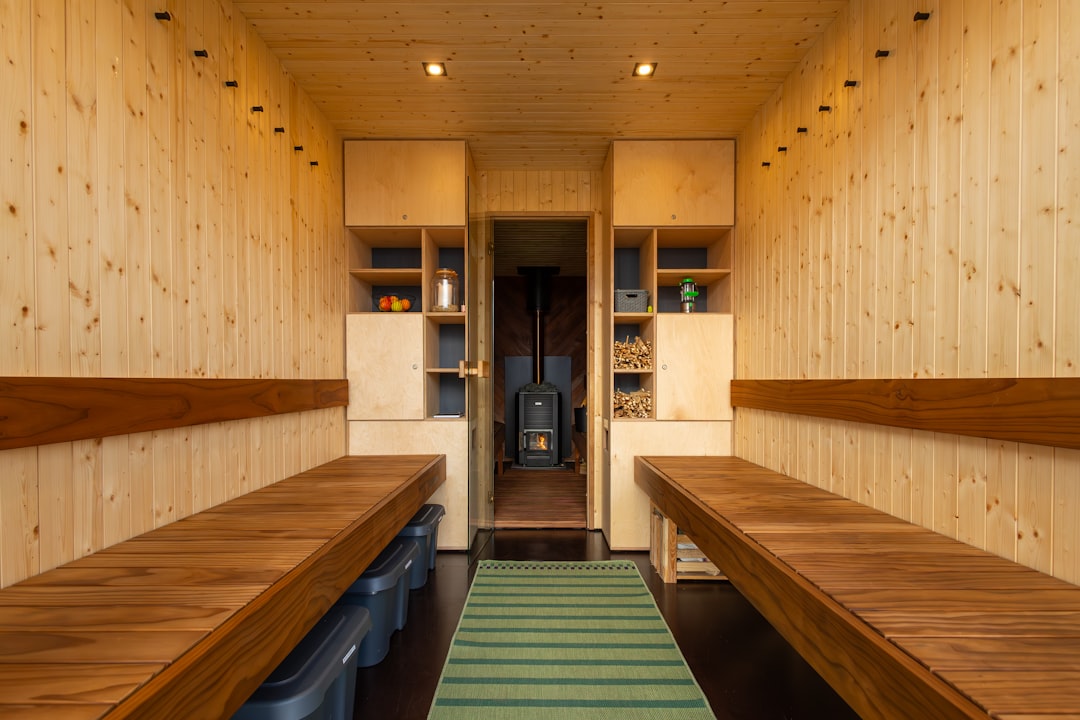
point(43, 410)
point(1043, 411)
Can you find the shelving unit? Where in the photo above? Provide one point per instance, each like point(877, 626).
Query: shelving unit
point(402, 261)
point(384, 261)
point(703, 254)
point(405, 204)
point(675, 556)
point(657, 260)
point(672, 217)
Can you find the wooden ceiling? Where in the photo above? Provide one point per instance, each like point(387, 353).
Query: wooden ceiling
point(540, 85)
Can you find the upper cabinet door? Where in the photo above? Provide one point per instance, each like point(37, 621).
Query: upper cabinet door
point(404, 182)
point(674, 182)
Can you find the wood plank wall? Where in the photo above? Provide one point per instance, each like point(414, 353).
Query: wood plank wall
point(154, 226)
point(926, 226)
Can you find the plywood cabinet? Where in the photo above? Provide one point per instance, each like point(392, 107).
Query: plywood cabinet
point(673, 182)
point(673, 219)
point(449, 437)
point(385, 366)
point(405, 208)
point(404, 183)
point(694, 361)
point(629, 522)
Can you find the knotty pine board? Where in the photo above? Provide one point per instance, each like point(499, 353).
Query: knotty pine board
point(981, 280)
point(140, 201)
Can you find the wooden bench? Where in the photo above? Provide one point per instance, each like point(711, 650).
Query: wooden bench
point(187, 620)
point(901, 621)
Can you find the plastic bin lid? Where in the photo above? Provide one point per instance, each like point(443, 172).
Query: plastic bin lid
point(298, 685)
point(385, 570)
point(424, 521)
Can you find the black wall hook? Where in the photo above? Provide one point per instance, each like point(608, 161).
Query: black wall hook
point(314, 163)
point(279, 129)
point(824, 108)
point(800, 130)
point(766, 164)
point(297, 148)
point(782, 148)
point(163, 16)
point(920, 16)
point(881, 54)
point(851, 83)
point(201, 53)
point(256, 108)
point(231, 83)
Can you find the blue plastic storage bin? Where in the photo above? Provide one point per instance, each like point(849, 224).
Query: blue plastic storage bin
point(423, 530)
point(317, 680)
point(384, 590)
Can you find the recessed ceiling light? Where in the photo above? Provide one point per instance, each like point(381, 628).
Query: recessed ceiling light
point(434, 69)
point(644, 69)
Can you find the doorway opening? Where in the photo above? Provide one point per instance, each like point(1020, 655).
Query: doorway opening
point(539, 344)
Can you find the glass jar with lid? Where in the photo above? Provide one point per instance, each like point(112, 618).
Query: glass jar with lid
point(444, 291)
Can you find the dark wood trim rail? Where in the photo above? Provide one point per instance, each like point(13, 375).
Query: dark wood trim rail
point(187, 620)
point(901, 621)
point(43, 410)
point(1043, 411)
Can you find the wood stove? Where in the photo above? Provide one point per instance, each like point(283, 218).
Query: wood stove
point(538, 428)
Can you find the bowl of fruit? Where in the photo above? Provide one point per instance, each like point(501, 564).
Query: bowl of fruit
point(395, 303)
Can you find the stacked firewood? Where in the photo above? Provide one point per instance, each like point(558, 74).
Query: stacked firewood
point(637, 404)
point(633, 355)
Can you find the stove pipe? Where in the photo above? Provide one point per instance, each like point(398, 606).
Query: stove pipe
point(537, 303)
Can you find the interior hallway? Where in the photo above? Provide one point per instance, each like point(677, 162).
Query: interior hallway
point(745, 668)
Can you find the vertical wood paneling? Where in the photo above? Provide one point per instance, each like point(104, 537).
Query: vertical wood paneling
point(49, 135)
point(1003, 258)
point(132, 225)
point(111, 228)
point(160, 74)
point(1038, 207)
point(1067, 330)
point(137, 188)
point(82, 125)
point(924, 201)
point(903, 192)
point(18, 514)
point(17, 193)
point(903, 248)
point(950, 238)
point(974, 251)
point(1067, 339)
point(55, 491)
point(1001, 480)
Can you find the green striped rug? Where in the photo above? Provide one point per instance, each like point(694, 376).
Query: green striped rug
point(564, 640)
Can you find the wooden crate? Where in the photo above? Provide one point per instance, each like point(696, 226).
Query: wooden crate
point(675, 556)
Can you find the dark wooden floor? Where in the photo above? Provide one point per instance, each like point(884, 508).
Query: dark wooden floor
point(540, 498)
point(745, 668)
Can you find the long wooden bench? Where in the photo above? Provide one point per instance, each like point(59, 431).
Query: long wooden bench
point(187, 620)
point(901, 621)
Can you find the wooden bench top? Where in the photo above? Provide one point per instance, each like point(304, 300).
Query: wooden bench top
point(901, 621)
point(187, 620)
